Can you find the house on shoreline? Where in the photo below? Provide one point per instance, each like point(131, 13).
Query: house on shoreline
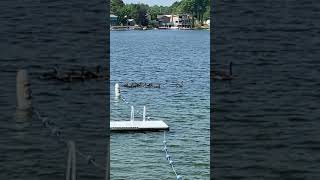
point(173, 21)
point(131, 22)
point(113, 20)
point(180, 21)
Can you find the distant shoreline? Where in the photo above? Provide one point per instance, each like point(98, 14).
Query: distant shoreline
point(138, 28)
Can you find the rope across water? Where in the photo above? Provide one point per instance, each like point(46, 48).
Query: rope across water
point(168, 157)
point(55, 131)
point(165, 149)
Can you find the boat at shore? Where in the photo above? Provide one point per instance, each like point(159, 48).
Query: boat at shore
point(174, 28)
point(185, 28)
point(126, 28)
point(120, 28)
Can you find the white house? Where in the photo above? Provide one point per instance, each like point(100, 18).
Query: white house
point(208, 22)
point(113, 20)
point(182, 20)
point(131, 22)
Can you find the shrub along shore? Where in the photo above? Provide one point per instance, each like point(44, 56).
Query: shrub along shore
point(147, 16)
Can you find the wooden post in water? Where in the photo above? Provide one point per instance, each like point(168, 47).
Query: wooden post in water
point(23, 90)
point(117, 89)
point(107, 170)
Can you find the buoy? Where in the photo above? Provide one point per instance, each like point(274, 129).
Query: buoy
point(89, 159)
point(55, 131)
point(117, 90)
point(165, 148)
point(168, 157)
point(23, 90)
point(179, 177)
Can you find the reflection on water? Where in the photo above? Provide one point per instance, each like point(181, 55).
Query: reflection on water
point(36, 36)
point(266, 122)
point(23, 120)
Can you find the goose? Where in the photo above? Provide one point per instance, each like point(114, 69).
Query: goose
point(60, 76)
point(222, 75)
point(148, 85)
point(50, 75)
point(98, 70)
point(126, 84)
point(68, 77)
point(95, 75)
point(180, 84)
point(141, 84)
point(134, 85)
point(83, 73)
point(156, 85)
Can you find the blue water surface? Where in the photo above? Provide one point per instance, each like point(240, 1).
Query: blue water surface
point(180, 62)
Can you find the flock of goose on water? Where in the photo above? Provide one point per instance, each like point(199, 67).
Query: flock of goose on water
point(142, 85)
point(86, 74)
point(73, 75)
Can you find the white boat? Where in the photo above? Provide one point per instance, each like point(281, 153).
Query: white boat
point(174, 28)
point(185, 28)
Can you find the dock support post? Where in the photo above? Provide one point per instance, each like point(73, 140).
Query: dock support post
point(117, 89)
point(132, 114)
point(23, 90)
point(71, 166)
point(144, 114)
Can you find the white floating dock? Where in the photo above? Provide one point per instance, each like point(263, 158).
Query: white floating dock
point(138, 126)
point(133, 125)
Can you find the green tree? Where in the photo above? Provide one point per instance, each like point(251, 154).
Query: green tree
point(203, 5)
point(198, 9)
point(206, 14)
point(175, 7)
point(126, 12)
point(187, 7)
point(141, 18)
point(154, 11)
point(116, 5)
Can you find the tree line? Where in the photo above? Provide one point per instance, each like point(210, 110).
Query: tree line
point(199, 9)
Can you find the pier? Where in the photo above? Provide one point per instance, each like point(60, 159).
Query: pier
point(142, 125)
point(138, 126)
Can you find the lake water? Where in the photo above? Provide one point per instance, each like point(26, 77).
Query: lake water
point(166, 57)
point(266, 123)
point(37, 36)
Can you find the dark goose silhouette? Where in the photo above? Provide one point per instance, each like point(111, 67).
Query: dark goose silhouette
point(156, 85)
point(180, 84)
point(50, 75)
point(222, 75)
point(93, 75)
point(74, 76)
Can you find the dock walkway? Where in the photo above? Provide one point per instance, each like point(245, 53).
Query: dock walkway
point(133, 125)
